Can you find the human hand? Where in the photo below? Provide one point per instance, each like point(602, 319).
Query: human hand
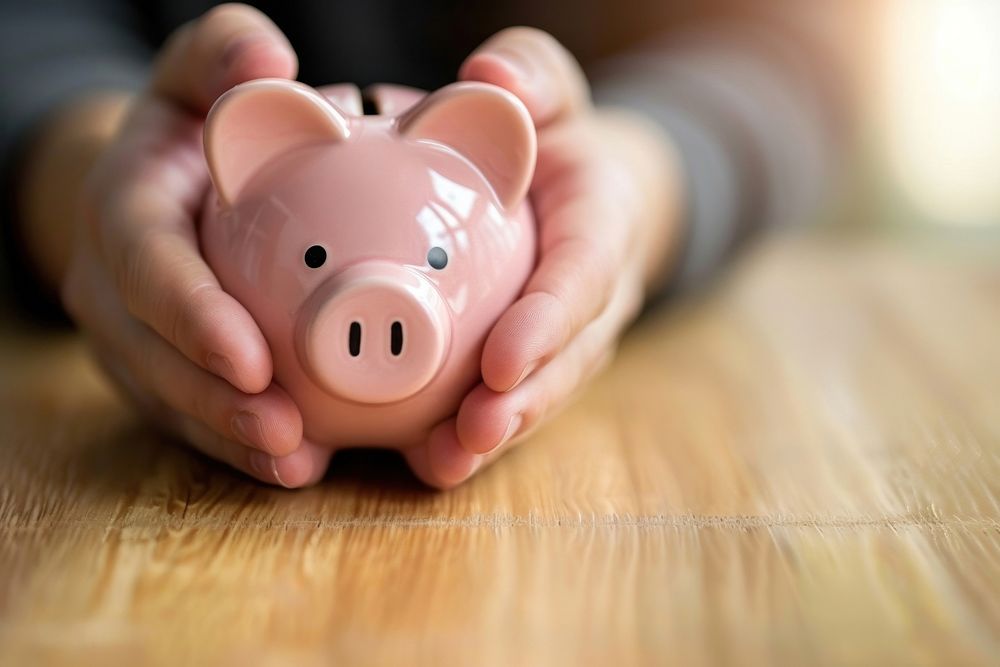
point(606, 196)
point(137, 284)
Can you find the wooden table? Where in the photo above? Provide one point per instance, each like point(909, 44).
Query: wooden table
point(800, 467)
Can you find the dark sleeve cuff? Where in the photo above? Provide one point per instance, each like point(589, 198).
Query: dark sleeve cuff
point(714, 196)
point(19, 283)
point(754, 141)
point(53, 52)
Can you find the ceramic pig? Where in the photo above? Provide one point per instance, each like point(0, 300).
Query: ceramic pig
point(375, 252)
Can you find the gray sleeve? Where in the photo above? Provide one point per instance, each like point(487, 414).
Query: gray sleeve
point(52, 51)
point(751, 119)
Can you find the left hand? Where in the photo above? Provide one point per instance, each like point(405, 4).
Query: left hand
point(606, 197)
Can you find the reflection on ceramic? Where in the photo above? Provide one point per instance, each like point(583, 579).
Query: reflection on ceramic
point(375, 252)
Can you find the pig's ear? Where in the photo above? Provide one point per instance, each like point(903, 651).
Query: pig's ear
point(257, 121)
point(487, 125)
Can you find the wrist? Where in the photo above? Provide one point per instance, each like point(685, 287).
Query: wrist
point(54, 170)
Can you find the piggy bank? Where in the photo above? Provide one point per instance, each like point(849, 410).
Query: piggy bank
point(375, 252)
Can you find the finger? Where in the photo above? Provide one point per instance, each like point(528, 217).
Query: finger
point(442, 462)
point(345, 96)
point(150, 246)
point(393, 100)
point(535, 67)
point(580, 263)
point(146, 403)
point(303, 467)
point(258, 464)
point(228, 45)
point(268, 421)
point(488, 420)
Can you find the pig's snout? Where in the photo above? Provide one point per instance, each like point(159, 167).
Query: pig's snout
point(374, 333)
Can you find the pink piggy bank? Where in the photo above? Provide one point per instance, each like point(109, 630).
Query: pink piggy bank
point(375, 252)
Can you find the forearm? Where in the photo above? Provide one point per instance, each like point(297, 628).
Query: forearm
point(650, 166)
point(67, 66)
point(52, 177)
point(754, 123)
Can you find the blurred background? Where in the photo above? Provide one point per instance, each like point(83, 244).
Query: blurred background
point(935, 105)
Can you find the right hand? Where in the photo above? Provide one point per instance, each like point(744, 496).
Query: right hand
point(138, 286)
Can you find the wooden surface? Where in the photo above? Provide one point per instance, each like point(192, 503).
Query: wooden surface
point(800, 468)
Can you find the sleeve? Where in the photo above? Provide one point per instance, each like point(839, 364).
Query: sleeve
point(53, 51)
point(756, 107)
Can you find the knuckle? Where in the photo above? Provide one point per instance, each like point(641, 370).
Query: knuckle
point(182, 315)
point(131, 270)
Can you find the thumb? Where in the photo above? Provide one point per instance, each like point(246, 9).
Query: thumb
point(226, 46)
point(535, 67)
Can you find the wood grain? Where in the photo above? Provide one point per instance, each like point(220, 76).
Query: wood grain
point(801, 466)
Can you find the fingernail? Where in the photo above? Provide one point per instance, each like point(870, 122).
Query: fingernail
point(512, 426)
point(247, 428)
point(222, 367)
point(265, 465)
point(274, 471)
point(525, 372)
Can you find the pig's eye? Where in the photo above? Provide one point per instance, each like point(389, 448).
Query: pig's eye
point(437, 258)
point(315, 256)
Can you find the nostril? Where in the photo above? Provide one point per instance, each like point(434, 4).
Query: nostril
point(396, 338)
point(354, 339)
